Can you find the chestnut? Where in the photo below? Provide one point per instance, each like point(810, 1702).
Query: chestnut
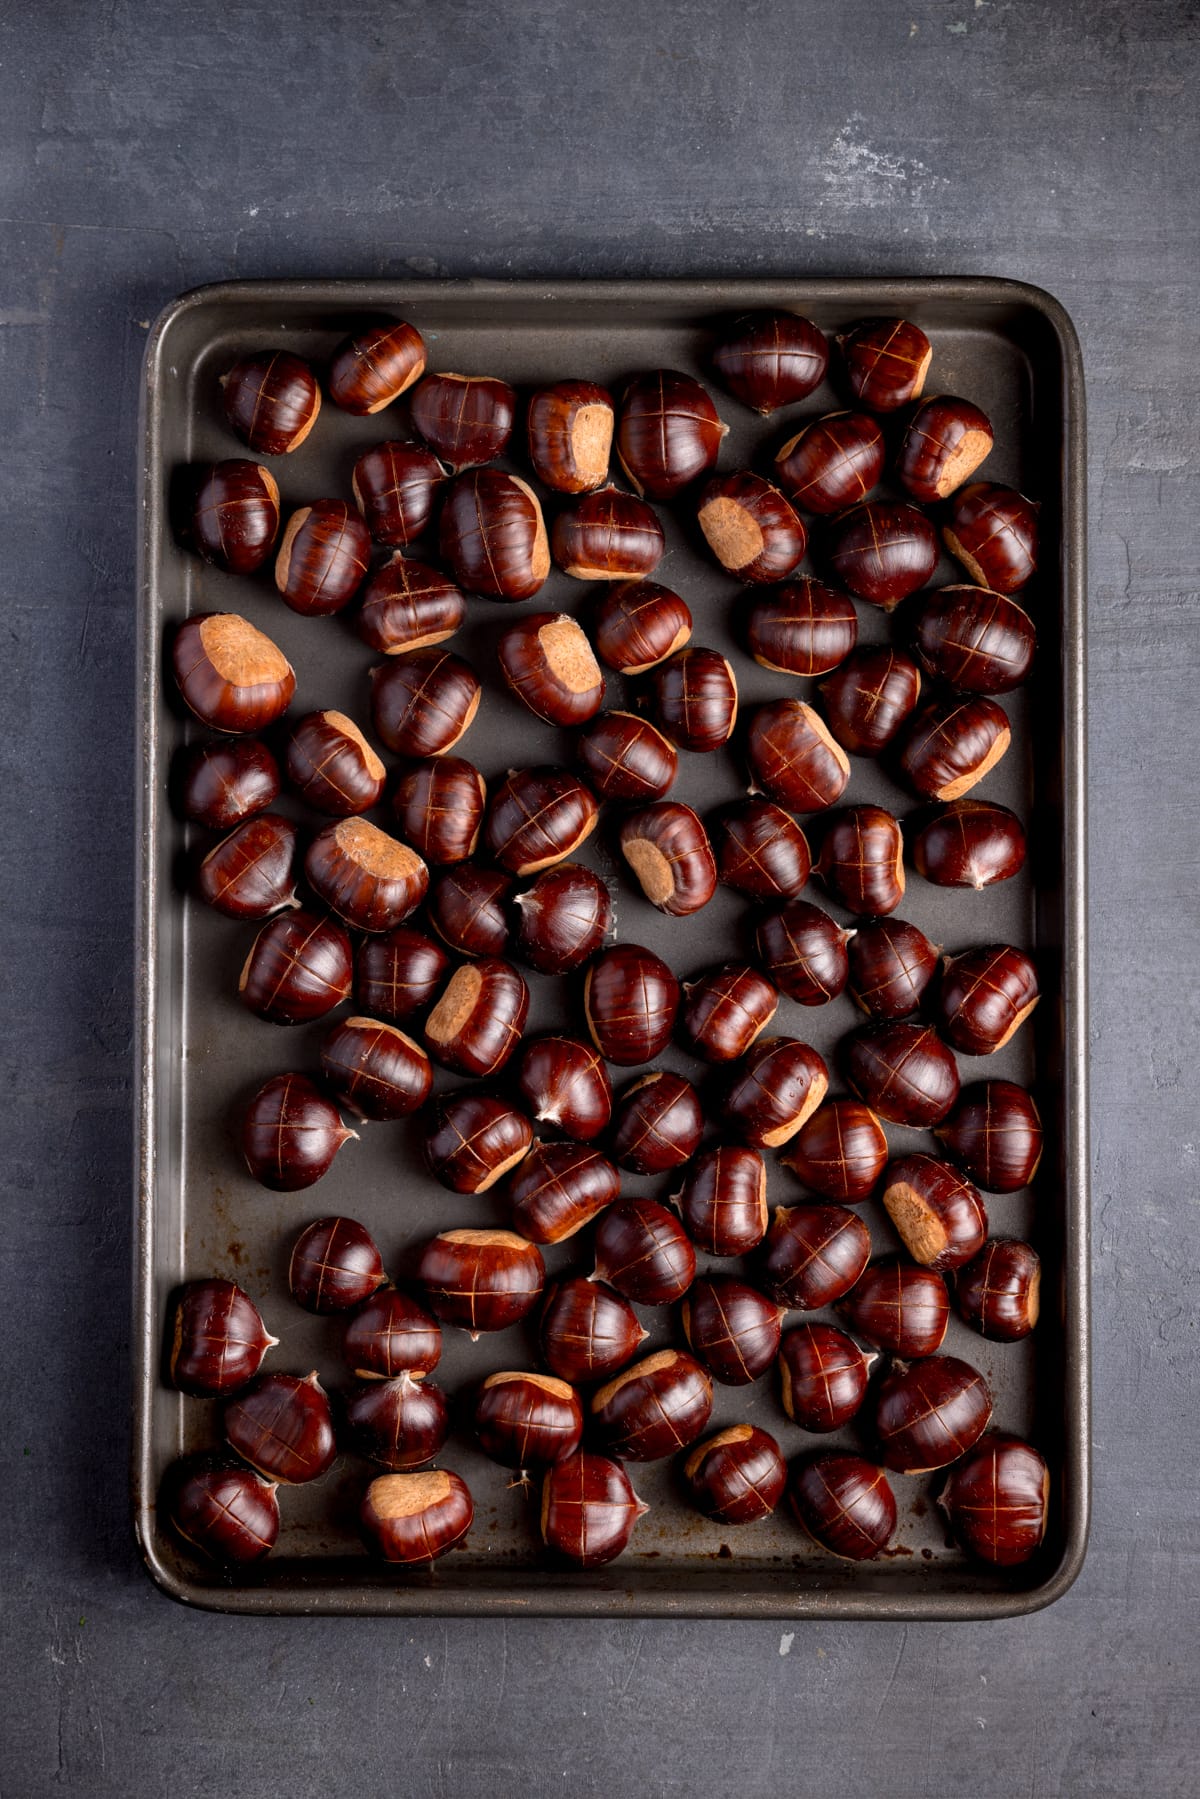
point(323, 556)
point(861, 860)
point(492, 534)
point(300, 966)
point(995, 1134)
point(970, 843)
point(249, 873)
point(374, 367)
point(283, 1427)
point(771, 359)
point(588, 1509)
point(398, 973)
point(608, 536)
point(841, 1152)
point(366, 877)
point(695, 691)
point(235, 515)
point(230, 675)
point(984, 997)
point(524, 1419)
point(414, 1518)
point(659, 1405)
point(230, 1514)
point(217, 1339)
point(949, 748)
point(406, 605)
point(562, 919)
point(637, 624)
point(271, 401)
point(887, 361)
point(565, 1085)
point(804, 952)
point(777, 1085)
point(668, 433)
point(481, 1280)
point(398, 1423)
point(845, 1503)
point(903, 1071)
point(587, 1330)
point(395, 487)
point(723, 1200)
point(832, 462)
point(560, 1187)
point(724, 1011)
point(467, 908)
point(547, 661)
point(993, 532)
point(996, 1500)
point(335, 1265)
point(899, 1308)
point(944, 442)
point(975, 641)
point(793, 759)
point(937, 1213)
point(438, 808)
point(750, 528)
point(822, 1376)
point(375, 1070)
point(388, 1333)
point(477, 1023)
point(801, 627)
point(657, 1123)
point(630, 1001)
point(472, 1139)
point(538, 816)
point(423, 701)
point(731, 1328)
point(928, 1413)
point(891, 966)
point(737, 1476)
point(332, 766)
point(882, 550)
point(226, 781)
point(869, 697)
point(291, 1133)
point(761, 850)
point(814, 1255)
point(626, 757)
point(642, 1251)
point(569, 428)
point(998, 1292)
point(467, 419)
point(668, 850)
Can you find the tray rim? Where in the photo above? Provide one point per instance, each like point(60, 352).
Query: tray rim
point(523, 1598)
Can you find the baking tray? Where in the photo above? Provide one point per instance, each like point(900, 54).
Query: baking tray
point(1007, 346)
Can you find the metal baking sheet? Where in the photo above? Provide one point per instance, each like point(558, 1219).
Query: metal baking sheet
point(1009, 347)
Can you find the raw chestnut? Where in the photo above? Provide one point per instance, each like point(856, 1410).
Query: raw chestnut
point(869, 697)
point(804, 952)
point(668, 433)
point(398, 973)
point(630, 1000)
point(657, 1123)
point(291, 1133)
point(565, 1085)
point(235, 515)
point(366, 877)
point(477, 1023)
point(724, 1011)
point(995, 1134)
point(438, 808)
point(814, 1255)
point(562, 919)
point(659, 1405)
point(249, 873)
point(398, 1423)
point(998, 1292)
point(414, 1518)
point(335, 1265)
point(882, 550)
point(588, 1510)
point(996, 1500)
point(737, 1476)
point(423, 701)
point(492, 534)
point(731, 1328)
point(374, 367)
point(930, 1412)
point(388, 1333)
point(777, 1085)
point(608, 536)
point(761, 850)
point(217, 1339)
point(638, 624)
point(323, 556)
point(949, 748)
point(993, 532)
point(975, 641)
point(642, 1251)
point(903, 1071)
point(375, 1070)
point(668, 850)
point(771, 359)
point(831, 463)
point(300, 966)
point(332, 766)
point(538, 816)
point(899, 1308)
point(229, 1514)
point(524, 1419)
point(467, 419)
point(230, 675)
point(845, 1503)
point(801, 627)
point(723, 1200)
point(271, 401)
point(625, 757)
point(396, 487)
point(468, 909)
point(695, 691)
point(937, 1213)
point(283, 1427)
point(861, 860)
point(472, 1139)
point(970, 843)
point(750, 528)
point(406, 605)
point(587, 1330)
point(227, 781)
point(944, 442)
point(481, 1280)
point(793, 759)
point(560, 1187)
point(887, 361)
point(569, 428)
point(891, 966)
point(841, 1152)
point(822, 1376)
point(984, 997)
point(547, 661)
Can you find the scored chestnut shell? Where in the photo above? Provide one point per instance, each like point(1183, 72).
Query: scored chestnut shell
point(492, 535)
point(949, 748)
point(668, 433)
point(630, 1001)
point(737, 1476)
point(569, 428)
point(970, 843)
point(882, 550)
point(771, 359)
point(841, 1152)
point(944, 442)
point(235, 515)
point(899, 1307)
point(249, 873)
point(229, 1514)
point(467, 419)
point(406, 605)
point(588, 1509)
point(937, 1213)
point(731, 1328)
point(814, 1254)
point(903, 1071)
point(396, 487)
point(476, 1025)
point(587, 1330)
point(300, 966)
point(323, 556)
point(468, 909)
point(271, 401)
point(995, 1134)
point(538, 816)
point(723, 1200)
point(996, 1500)
point(481, 1280)
point(637, 624)
point(226, 781)
point(750, 528)
point(801, 627)
point(870, 697)
point(792, 757)
point(398, 1423)
point(608, 536)
point(984, 997)
point(832, 462)
point(472, 1139)
point(993, 532)
point(804, 952)
point(761, 850)
point(371, 880)
point(560, 1187)
point(998, 1292)
point(891, 966)
point(975, 641)
point(423, 701)
point(438, 808)
point(845, 1503)
point(562, 918)
point(668, 850)
point(283, 1427)
point(657, 1123)
point(291, 1133)
point(388, 1333)
point(565, 1085)
point(397, 974)
point(777, 1085)
point(724, 1011)
point(332, 766)
point(217, 1339)
point(374, 367)
point(375, 1069)
point(231, 675)
point(657, 1406)
point(930, 1412)
point(526, 1420)
point(642, 1251)
point(335, 1265)
point(695, 691)
point(548, 663)
point(861, 860)
point(625, 757)
point(886, 361)
point(414, 1518)
point(822, 1376)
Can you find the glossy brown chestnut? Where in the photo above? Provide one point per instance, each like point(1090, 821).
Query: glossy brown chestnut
point(467, 419)
point(481, 1280)
point(373, 368)
point(538, 816)
point(235, 515)
point(731, 1328)
point(984, 997)
point(300, 967)
point(841, 1152)
point(882, 551)
point(335, 1265)
point(389, 1333)
point(737, 1476)
point(230, 1514)
point(928, 1413)
point(771, 359)
point(993, 532)
point(569, 428)
point(801, 628)
point(899, 1307)
point(778, 1084)
point(472, 1139)
point(725, 1009)
point(226, 781)
point(659, 1405)
point(937, 1213)
point(423, 701)
point(625, 757)
point(332, 766)
point(657, 1123)
point(970, 843)
point(414, 1518)
point(975, 641)
point(870, 697)
point(831, 463)
point(804, 952)
point(998, 1292)
point(468, 908)
point(996, 1500)
point(668, 850)
point(608, 536)
point(217, 1339)
point(565, 1085)
point(368, 878)
point(323, 556)
point(477, 1023)
point(630, 1000)
point(283, 1427)
point(723, 1200)
point(407, 605)
point(438, 808)
point(396, 487)
point(230, 675)
point(944, 442)
point(398, 1423)
point(588, 1510)
point(887, 361)
point(814, 1255)
point(891, 966)
point(560, 1187)
point(561, 919)
point(861, 860)
point(492, 534)
point(398, 973)
point(750, 528)
point(845, 1503)
point(792, 757)
point(642, 1251)
point(527, 1420)
point(375, 1070)
point(638, 624)
point(695, 691)
point(822, 1376)
point(271, 401)
point(761, 850)
point(291, 1133)
point(249, 873)
point(995, 1134)
point(948, 748)
point(903, 1071)
point(547, 661)
point(587, 1330)
point(668, 433)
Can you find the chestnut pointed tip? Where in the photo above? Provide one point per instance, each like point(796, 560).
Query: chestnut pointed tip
point(640, 1507)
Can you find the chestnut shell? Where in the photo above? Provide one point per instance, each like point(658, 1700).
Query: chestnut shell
point(930, 1412)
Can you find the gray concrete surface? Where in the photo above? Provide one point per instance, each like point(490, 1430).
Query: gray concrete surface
point(146, 148)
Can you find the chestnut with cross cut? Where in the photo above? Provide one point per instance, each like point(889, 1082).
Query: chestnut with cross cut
point(998, 1292)
point(724, 1011)
point(608, 536)
point(996, 1500)
point(466, 419)
point(548, 662)
point(731, 1328)
point(840, 1153)
point(761, 850)
point(630, 1001)
point(291, 1133)
point(993, 532)
point(561, 919)
point(823, 1376)
point(229, 1514)
point(492, 535)
point(750, 528)
point(723, 1200)
point(323, 556)
point(975, 641)
point(396, 487)
point(271, 401)
point(801, 627)
point(770, 359)
point(861, 859)
point(538, 816)
point(438, 808)
point(588, 1510)
point(643, 1251)
point(374, 367)
point(845, 1503)
point(948, 748)
point(423, 701)
point(283, 1427)
point(481, 1280)
point(882, 551)
point(569, 429)
point(250, 873)
point(899, 1307)
point(657, 1123)
point(776, 1086)
point(984, 997)
point(235, 516)
point(388, 1333)
point(944, 442)
point(804, 952)
point(472, 1139)
point(832, 462)
point(335, 1265)
point(398, 973)
point(414, 1518)
point(793, 758)
point(970, 843)
point(814, 1254)
point(638, 624)
point(406, 605)
point(903, 1071)
point(695, 692)
point(668, 850)
point(300, 966)
point(937, 1212)
point(476, 1025)
point(668, 433)
point(995, 1134)
point(398, 1423)
point(929, 1413)
point(332, 766)
point(870, 697)
point(227, 780)
point(468, 908)
point(886, 362)
point(657, 1406)
point(525, 1420)
point(625, 757)
point(892, 964)
point(375, 1069)
point(587, 1331)
point(369, 879)
point(217, 1338)
point(558, 1188)
point(232, 676)
point(737, 1476)
point(565, 1086)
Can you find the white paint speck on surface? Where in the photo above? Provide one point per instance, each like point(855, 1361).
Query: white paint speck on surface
point(429, 1661)
point(786, 1641)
